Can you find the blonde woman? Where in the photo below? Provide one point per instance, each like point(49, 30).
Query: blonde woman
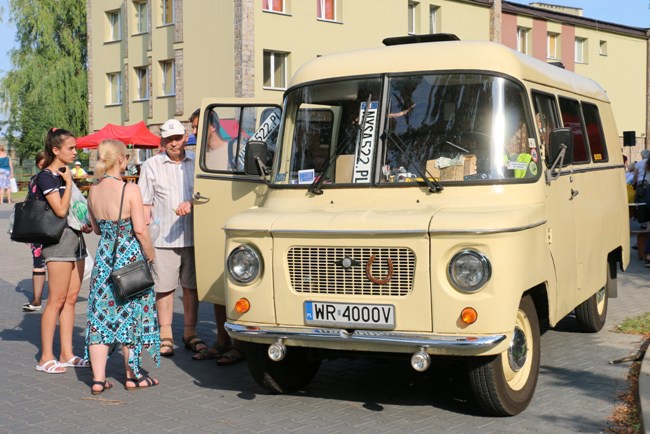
point(6, 173)
point(134, 323)
point(65, 260)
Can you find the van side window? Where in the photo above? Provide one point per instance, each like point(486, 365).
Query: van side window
point(228, 130)
point(546, 118)
point(571, 118)
point(594, 133)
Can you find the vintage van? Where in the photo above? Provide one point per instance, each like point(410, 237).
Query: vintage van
point(421, 200)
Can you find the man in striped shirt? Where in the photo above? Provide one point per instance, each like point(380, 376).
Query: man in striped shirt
point(167, 183)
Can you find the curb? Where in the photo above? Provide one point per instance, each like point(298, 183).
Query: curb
point(644, 392)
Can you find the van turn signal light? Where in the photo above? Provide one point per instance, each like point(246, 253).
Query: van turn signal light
point(469, 315)
point(242, 305)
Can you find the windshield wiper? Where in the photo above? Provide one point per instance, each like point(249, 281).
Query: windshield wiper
point(434, 186)
point(315, 186)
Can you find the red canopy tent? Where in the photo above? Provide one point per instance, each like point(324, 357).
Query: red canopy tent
point(137, 135)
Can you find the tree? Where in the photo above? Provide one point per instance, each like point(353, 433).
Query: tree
point(47, 85)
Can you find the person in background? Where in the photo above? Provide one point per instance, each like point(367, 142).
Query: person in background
point(640, 168)
point(78, 172)
point(65, 260)
point(38, 263)
point(167, 184)
point(225, 351)
point(133, 323)
point(6, 173)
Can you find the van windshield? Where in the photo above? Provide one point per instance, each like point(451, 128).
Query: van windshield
point(452, 127)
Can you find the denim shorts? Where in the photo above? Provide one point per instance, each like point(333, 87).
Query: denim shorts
point(70, 248)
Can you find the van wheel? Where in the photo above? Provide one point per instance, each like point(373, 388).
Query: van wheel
point(288, 375)
point(591, 314)
point(504, 384)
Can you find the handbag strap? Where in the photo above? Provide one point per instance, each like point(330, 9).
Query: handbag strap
point(119, 219)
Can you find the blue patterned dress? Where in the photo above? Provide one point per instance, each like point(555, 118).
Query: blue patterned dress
point(133, 323)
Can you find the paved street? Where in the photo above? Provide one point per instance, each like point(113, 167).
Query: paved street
point(576, 391)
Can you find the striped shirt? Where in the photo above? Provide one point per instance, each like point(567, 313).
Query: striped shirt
point(165, 185)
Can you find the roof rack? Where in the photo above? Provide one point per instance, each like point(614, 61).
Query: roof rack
point(416, 39)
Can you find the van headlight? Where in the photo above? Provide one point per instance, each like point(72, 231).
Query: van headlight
point(244, 264)
point(469, 270)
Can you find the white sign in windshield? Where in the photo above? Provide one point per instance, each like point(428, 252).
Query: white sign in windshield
point(365, 151)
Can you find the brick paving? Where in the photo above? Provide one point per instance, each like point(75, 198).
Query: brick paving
point(576, 391)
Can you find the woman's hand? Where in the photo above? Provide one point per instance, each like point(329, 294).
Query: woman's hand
point(86, 229)
point(66, 176)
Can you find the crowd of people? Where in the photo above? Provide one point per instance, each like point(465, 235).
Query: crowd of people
point(120, 213)
point(638, 180)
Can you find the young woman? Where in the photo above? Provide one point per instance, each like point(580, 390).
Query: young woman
point(133, 323)
point(65, 259)
point(6, 173)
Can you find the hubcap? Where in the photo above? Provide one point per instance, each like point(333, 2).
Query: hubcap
point(517, 351)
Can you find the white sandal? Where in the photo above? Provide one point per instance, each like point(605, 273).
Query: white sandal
point(50, 367)
point(76, 362)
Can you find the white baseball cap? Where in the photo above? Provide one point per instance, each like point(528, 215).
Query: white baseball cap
point(77, 163)
point(172, 127)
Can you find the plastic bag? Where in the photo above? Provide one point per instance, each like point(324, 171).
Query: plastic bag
point(78, 214)
point(14, 185)
point(88, 268)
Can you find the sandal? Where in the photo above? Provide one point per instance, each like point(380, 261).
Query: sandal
point(230, 357)
point(105, 386)
point(167, 343)
point(214, 352)
point(148, 382)
point(195, 344)
point(76, 362)
point(51, 367)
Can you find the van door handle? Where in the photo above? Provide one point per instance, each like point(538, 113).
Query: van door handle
point(574, 193)
point(197, 196)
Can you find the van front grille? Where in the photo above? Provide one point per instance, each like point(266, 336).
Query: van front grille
point(321, 270)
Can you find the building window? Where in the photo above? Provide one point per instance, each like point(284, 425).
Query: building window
point(434, 13)
point(168, 79)
point(522, 39)
point(326, 9)
point(141, 17)
point(167, 12)
point(273, 5)
point(552, 45)
point(275, 70)
point(412, 16)
point(581, 50)
point(114, 25)
point(142, 83)
point(114, 88)
point(603, 48)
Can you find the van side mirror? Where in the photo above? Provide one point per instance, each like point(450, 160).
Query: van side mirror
point(255, 158)
point(560, 151)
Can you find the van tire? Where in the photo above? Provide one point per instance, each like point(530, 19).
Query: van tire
point(292, 373)
point(499, 389)
point(591, 314)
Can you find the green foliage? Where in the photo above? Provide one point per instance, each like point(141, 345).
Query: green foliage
point(47, 85)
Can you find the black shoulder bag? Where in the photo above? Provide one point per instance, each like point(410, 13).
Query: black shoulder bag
point(35, 222)
point(132, 279)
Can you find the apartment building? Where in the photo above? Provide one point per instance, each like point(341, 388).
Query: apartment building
point(155, 59)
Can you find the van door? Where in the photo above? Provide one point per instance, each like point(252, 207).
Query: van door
point(221, 189)
point(561, 222)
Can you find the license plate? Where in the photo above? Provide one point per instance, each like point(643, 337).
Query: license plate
point(350, 315)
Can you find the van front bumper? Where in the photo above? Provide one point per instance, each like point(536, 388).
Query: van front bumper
point(318, 335)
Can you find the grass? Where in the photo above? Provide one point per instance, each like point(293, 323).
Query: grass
point(19, 197)
point(626, 417)
point(639, 325)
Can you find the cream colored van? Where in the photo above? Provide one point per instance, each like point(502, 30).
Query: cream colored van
point(421, 200)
